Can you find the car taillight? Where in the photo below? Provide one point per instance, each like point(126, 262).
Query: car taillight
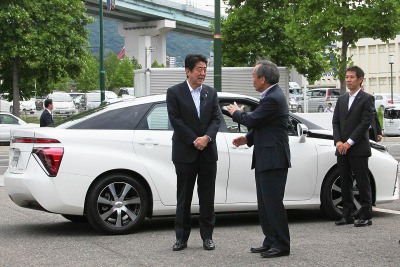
point(390, 101)
point(27, 140)
point(50, 157)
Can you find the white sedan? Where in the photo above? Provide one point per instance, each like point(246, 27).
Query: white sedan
point(8, 122)
point(112, 166)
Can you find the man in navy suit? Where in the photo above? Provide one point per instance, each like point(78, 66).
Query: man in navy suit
point(352, 118)
point(195, 115)
point(46, 118)
point(271, 156)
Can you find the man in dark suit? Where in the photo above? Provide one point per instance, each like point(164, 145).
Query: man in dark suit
point(195, 115)
point(46, 118)
point(351, 120)
point(375, 131)
point(271, 156)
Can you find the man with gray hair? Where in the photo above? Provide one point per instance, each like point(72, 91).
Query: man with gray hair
point(271, 156)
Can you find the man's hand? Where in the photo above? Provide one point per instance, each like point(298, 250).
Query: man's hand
point(239, 141)
point(201, 142)
point(379, 137)
point(342, 147)
point(233, 107)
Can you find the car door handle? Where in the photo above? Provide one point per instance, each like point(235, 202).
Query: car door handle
point(147, 142)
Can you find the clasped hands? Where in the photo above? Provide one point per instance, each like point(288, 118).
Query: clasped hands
point(342, 147)
point(233, 107)
point(201, 142)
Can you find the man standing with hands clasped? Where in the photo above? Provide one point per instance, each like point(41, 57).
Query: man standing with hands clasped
point(271, 156)
point(351, 120)
point(195, 115)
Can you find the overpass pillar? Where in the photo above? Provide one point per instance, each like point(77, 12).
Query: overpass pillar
point(146, 41)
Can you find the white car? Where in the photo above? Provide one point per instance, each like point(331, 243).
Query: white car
point(8, 122)
point(112, 166)
point(63, 104)
point(93, 98)
point(384, 99)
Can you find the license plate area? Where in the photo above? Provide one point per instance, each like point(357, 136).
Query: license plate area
point(16, 153)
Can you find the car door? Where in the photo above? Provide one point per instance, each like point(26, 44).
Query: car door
point(302, 175)
point(153, 145)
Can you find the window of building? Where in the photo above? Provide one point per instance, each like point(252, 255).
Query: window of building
point(372, 50)
point(391, 48)
point(372, 81)
point(382, 48)
point(353, 51)
point(361, 50)
point(382, 81)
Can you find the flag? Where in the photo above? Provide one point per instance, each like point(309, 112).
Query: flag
point(110, 4)
point(121, 53)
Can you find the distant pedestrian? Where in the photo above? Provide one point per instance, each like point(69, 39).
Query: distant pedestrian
point(47, 118)
point(329, 108)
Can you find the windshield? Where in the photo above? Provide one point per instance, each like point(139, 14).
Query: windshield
point(296, 91)
point(60, 97)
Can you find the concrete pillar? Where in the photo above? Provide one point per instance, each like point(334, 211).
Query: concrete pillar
point(146, 40)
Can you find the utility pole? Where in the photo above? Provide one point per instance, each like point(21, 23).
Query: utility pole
point(217, 47)
point(101, 59)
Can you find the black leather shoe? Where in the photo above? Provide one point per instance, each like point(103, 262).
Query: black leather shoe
point(259, 249)
point(274, 252)
point(361, 223)
point(179, 245)
point(208, 244)
point(344, 221)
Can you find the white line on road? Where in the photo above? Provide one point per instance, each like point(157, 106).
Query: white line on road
point(386, 211)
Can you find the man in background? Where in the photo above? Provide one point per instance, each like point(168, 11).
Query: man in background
point(47, 118)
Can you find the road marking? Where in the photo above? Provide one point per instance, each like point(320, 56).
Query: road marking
point(386, 211)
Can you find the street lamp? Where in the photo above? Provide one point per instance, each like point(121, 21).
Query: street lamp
point(391, 62)
point(149, 49)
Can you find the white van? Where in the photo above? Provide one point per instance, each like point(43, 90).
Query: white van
point(391, 120)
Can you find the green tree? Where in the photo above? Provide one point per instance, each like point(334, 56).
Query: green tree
point(123, 76)
point(111, 64)
point(90, 74)
point(136, 65)
point(255, 30)
point(320, 23)
point(41, 42)
point(155, 64)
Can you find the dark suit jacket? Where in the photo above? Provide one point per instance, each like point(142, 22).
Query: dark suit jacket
point(188, 126)
point(269, 134)
point(375, 129)
point(354, 123)
point(46, 118)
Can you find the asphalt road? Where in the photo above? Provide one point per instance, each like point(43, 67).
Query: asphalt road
point(35, 238)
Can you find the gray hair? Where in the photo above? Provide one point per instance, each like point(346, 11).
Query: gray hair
point(269, 71)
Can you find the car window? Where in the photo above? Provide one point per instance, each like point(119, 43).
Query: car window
point(7, 119)
point(125, 118)
point(335, 93)
point(378, 97)
point(231, 126)
point(156, 119)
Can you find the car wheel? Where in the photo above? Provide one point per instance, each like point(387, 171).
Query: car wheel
point(116, 204)
point(331, 196)
point(320, 109)
point(300, 109)
point(75, 218)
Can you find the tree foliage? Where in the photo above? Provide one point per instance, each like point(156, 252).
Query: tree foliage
point(41, 42)
point(111, 64)
point(90, 74)
point(321, 23)
point(123, 76)
point(155, 64)
point(256, 30)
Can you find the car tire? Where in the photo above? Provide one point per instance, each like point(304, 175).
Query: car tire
point(320, 109)
point(331, 197)
point(117, 204)
point(75, 218)
point(300, 109)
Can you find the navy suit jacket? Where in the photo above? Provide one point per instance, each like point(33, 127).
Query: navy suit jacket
point(354, 123)
point(46, 118)
point(188, 126)
point(269, 133)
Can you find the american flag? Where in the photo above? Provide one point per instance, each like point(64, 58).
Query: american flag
point(121, 53)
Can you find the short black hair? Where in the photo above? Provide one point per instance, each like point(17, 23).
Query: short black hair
point(192, 59)
point(359, 72)
point(48, 102)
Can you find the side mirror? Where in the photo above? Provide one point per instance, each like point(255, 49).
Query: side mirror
point(302, 131)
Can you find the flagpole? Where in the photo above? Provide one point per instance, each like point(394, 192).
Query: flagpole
point(101, 59)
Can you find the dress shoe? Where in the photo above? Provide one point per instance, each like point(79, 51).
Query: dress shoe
point(259, 249)
point(274, 252)
point(361, 223)
point(179, 245)
point(344, 221)
point(208, 244)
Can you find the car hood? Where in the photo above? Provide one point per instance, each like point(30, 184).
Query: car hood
point(63, 104)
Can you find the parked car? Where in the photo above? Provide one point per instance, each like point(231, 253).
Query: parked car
point(384, 99)
point(318, 99)
point(5, 106)
point(112, 166)
point(293, 105)
point(8, 122)
point(391, 120)
point(26, 104)
point(295, 91)
point(79, 100)
point(39, 102)
point(126, 92)
point(63, 105)
point(93, 99)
